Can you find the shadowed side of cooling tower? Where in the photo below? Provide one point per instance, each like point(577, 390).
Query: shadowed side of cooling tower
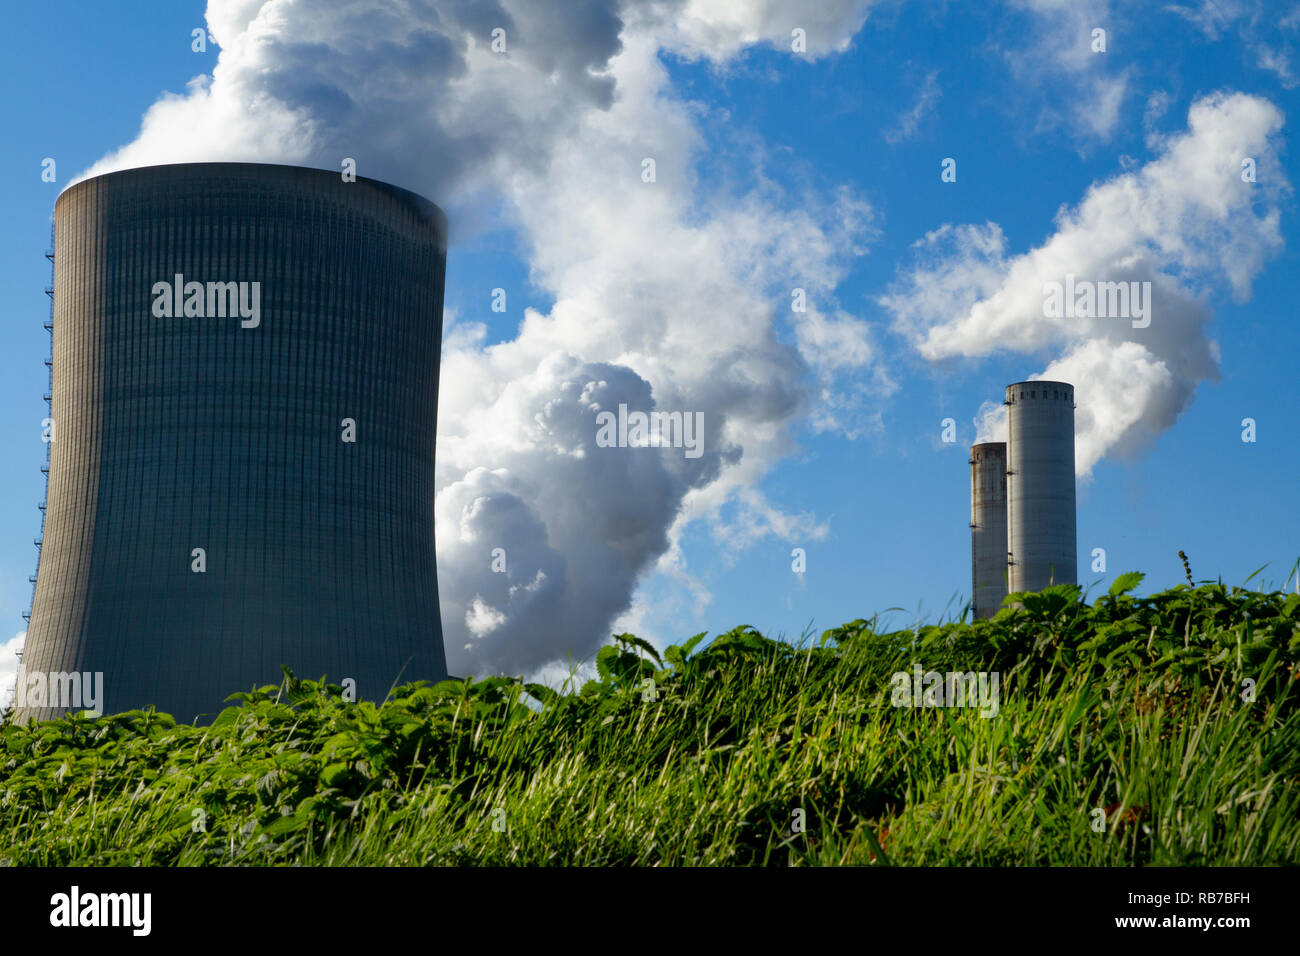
point(245, 390)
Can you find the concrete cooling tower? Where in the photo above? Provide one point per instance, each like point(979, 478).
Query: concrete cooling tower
point(245, 394)
point(1022, 498)
point(1040, 485)
point(988, 523)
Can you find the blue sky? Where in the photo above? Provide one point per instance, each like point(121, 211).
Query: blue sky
point(1034, 118)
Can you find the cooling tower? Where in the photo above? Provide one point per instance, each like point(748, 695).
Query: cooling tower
point(245, 389)
point(1040, 485)
point(988, 523)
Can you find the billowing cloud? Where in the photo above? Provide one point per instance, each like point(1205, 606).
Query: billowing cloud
point(719, 29)
point(1190, 222)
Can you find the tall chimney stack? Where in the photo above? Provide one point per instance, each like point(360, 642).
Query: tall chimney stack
point(1041, 541)
point(988, 524)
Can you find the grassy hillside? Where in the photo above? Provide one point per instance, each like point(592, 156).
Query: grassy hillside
point(1124, 735)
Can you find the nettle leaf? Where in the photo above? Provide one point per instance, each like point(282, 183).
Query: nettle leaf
point(632, 641)
point(1289, 606)
point(743, 640)
point(545, 695)
point(692, 644)
point(1126, 582)
point(605, 659)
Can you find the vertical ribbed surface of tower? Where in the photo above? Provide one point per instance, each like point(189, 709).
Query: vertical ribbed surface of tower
point(988, 524)
point(1040, 485)
point(208, 519)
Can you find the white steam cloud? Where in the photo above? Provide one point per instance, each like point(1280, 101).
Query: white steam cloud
point(666, 297)
point(1188, 222)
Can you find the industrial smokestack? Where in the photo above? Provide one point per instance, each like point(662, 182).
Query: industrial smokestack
point(245, 388)
point(1040, 485)
point(988, 522)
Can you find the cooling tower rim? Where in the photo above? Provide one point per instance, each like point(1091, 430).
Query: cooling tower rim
point(426, 206)
point(989, 445)
point(1041, 381)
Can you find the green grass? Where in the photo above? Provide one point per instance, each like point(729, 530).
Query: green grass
point(1122, 738)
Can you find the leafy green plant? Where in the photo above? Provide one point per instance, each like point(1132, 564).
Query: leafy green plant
point(1169, 718)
